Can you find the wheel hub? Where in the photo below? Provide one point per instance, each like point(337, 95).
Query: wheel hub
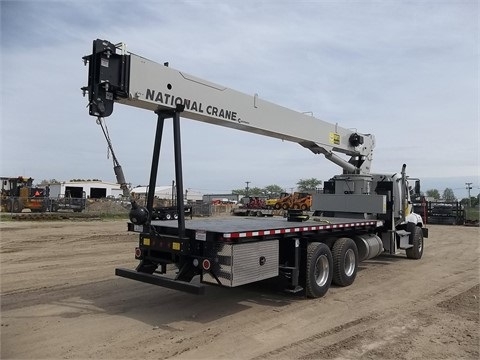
point(321, 270)
point(349, 267)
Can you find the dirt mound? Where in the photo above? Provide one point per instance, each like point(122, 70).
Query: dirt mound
point(108, 207)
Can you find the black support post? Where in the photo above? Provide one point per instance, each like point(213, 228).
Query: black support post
point(294, 286)
point(156, 156)
point(178, 170)
point(162, 115)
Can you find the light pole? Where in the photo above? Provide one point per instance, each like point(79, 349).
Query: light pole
point(247, 182)
point(469, 187)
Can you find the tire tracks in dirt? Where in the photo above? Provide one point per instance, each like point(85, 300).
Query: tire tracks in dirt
point(372, 334)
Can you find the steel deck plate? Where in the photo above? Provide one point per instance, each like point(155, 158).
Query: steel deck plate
point(232, 227)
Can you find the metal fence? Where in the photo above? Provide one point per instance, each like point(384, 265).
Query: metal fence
point(103, 206)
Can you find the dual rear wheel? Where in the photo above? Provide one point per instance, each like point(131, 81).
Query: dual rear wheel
point(324, 266)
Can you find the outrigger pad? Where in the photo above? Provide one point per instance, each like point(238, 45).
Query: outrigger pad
point(297, 216)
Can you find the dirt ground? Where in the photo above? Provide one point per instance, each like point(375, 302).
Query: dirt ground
point(60, 299)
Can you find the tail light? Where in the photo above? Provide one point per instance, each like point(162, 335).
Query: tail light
point(206, 264)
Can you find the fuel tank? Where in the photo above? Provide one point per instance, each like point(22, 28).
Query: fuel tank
point(369, 246)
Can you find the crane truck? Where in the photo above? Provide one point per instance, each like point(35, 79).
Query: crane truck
point(359, 215)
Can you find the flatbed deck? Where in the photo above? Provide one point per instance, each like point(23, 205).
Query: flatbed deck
point(241, 227)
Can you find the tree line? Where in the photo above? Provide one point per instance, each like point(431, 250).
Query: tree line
point(312, 185)
point(274, 190)
point(449, 196)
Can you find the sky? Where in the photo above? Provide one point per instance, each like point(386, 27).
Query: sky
point(405, 71)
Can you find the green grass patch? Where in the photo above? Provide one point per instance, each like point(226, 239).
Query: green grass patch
point(472, 214)
point(5, 216)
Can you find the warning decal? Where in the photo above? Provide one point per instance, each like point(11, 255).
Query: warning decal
point(334, 138)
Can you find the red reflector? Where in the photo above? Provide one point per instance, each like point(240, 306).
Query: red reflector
point(206, 264)
point(138, 252)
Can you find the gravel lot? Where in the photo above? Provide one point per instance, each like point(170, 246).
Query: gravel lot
point(60, 299)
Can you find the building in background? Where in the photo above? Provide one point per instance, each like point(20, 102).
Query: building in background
point(165, 193)
point(93, 189)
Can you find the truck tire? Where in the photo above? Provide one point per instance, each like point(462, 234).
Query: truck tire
point(168, 216)
point(285, 207)
point(17, 206)
point(304, 207)
point(345, 261)
point(319, 270)
point(8, 205)
point(175, 216)
point(416, 238)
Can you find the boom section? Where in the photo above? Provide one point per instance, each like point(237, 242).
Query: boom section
point(145, 84)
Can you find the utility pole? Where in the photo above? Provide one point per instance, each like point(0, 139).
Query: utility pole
point(247, 182)
point(469, 187)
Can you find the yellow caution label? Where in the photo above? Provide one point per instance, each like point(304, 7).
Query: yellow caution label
point(334, 138)
point(146, 241)
point(175, 246)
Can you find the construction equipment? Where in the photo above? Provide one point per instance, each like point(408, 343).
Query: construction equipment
point(253, 206)
point(270, 203)
point(68, 202)
point(303, 201)
point(370, 214)
point(296, 200)
point(18, 193)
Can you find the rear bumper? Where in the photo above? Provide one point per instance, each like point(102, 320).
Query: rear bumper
point(161, 281)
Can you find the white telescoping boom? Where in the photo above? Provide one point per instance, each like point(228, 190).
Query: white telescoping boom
point(133, 80)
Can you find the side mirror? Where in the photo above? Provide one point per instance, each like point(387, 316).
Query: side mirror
point(417, 187)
